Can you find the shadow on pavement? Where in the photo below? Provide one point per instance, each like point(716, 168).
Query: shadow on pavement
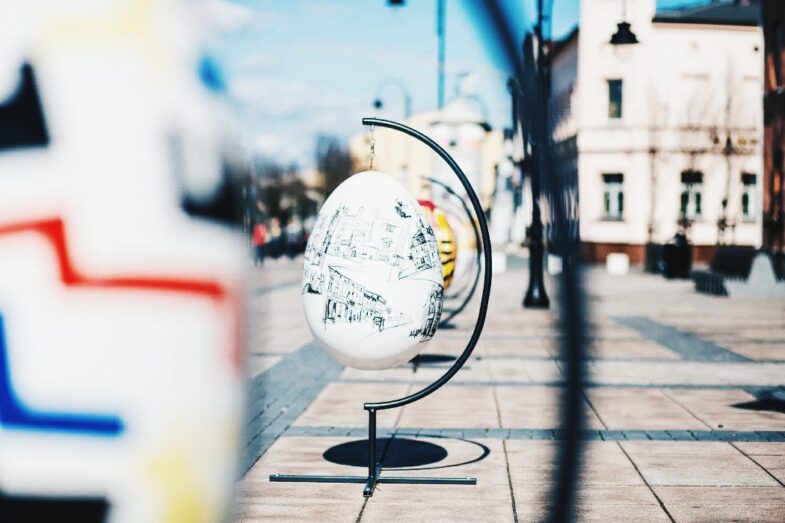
point(399, 453)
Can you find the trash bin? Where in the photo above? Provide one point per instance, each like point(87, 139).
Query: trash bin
point(653, 258)
point(677, 257)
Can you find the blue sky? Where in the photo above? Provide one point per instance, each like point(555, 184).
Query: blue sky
point(300, 68)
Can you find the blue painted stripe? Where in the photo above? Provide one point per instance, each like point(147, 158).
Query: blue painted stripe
point(15, 414)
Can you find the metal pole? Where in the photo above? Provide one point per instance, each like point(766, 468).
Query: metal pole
point(371, 442)
point(441, 8)
point(536, 296)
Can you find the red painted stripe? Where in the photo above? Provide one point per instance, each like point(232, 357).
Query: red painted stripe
point(427, 203)
point(53, 229)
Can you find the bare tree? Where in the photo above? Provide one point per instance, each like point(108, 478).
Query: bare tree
point(281, 192)
point(658, 120)
point(333, 161)
point(735, 131)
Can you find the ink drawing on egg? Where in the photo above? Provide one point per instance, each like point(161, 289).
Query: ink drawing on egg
point(372, 281)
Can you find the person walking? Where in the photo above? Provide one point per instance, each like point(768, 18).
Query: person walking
point(258, 239)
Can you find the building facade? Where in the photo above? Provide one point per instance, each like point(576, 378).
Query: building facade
point(666, 133)
point(460, 127)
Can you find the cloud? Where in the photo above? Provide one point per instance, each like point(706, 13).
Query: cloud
point(223, 16)
point(283, 117)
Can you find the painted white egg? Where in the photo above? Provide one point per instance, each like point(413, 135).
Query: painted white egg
point(372, 281)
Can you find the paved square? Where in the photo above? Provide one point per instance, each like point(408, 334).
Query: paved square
point(682, 412)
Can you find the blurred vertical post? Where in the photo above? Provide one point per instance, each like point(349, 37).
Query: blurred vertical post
point(441, 8)
point(441, 29)
point(536, 297)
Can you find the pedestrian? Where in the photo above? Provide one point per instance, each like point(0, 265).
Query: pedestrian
point(258, 239)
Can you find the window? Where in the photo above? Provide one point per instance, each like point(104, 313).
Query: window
point(691, 187)
point(613, 195)
point(748, 200)
point(614, 99)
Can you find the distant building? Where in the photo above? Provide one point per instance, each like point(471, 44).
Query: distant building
point(665, 133)
point(773, 22)
point(460, 128)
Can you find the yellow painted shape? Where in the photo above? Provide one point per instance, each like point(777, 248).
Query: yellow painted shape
point(183, 500)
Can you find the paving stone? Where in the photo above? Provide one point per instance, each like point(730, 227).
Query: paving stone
point(695, 463)
point(719, 409)
point(534, 407)
point(605, 465)
point(448, 407)
point(638, 408)
point(749, 504)
point(762, 449)
point(687, 345)
point(758, 351)
point(342, 404)
point(674, 373)
point(614, 348)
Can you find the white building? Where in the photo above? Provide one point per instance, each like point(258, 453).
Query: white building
point(662, 131)
point(460, 128)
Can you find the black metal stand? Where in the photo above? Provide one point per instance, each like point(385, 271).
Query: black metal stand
point(375, 468)
point(454, 312)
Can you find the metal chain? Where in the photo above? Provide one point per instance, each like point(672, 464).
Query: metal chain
point(373, 148)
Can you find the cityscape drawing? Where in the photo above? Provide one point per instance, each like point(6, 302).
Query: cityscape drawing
point(349, 302)
point(432, 311)
point(400, 238)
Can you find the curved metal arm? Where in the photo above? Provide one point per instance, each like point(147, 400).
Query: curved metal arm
point(455, 312)
point(486, 289)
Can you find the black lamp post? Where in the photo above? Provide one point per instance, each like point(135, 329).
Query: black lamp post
point(441, 30)
point(407, 98)
point(536, 297)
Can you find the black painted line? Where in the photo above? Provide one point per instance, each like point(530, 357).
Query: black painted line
point(560, 384)
point(542, 434)
point(689, 346)
point(593, 359)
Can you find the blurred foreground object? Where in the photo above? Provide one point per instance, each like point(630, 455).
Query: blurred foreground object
point(372, 281)
point(773, 16)
point(121, 371)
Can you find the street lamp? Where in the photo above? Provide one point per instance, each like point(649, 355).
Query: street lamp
point(536, 297)
point(407, 112)
point(441, 29)
point(407, 98)
point(623, 34)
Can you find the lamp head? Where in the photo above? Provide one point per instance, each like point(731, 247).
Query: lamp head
point(623, 35)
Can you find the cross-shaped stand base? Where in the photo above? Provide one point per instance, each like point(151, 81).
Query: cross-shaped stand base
point(374, 471)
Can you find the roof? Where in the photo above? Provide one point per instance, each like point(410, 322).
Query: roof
point(718, 12)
